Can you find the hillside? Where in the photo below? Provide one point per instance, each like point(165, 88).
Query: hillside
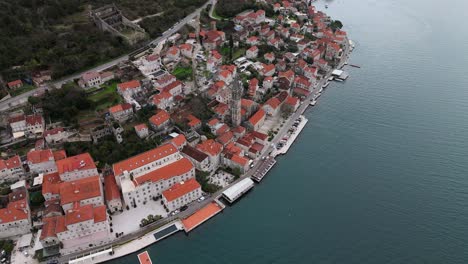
point(57, 34)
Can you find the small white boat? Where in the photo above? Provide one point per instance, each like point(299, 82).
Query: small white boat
point(325, 85)
point(331, 78)
point(317, 95)
point(338, 80)
point(313, 102)
point(321, 89)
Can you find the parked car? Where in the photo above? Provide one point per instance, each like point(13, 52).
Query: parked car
point(183, 208)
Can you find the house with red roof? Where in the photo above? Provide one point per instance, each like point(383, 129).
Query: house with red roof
point(112, 194)
point(225, 138)
point(80, 227)
point(268, 83)
point(15, 218)
point(213, 39)
point(174, 88)
point(193, 122)
point(55, 135)
point(129, 88)
point(225, 76)
point(164, 80)
point(15, 84)
point(76, 167)
point(303, 83)
point(249, 106)
point(41, 161)
point(252, 52)
point(173, 53)
point(253, 40)
point(181, 193)
point(253, 87)
point(82, 191)
point(235, 161)
point(213, 149)
point(272, 106)
point(269, 57)
point(27, 125)
point(142, 130)
point(267, 70)
point(121, 112)
point(186, 50)
point(11, 170)
point(275, 42)
point(333, 51)
point(160, 120)
point(163, 100)
point(291, 104)
point(179, 141)
point(257, 120)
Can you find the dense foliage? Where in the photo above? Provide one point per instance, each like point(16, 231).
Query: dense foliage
point(230, 8)
point(108, 151)
point(59, 35)
point(64, 104)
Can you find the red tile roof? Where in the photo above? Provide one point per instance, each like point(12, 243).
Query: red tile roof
point(239, 160)
point(13, 162)
point(79, 162)
point(257, 117)
point(78, 214)
point(225, 138)
point(273, 102)
point(48, 229)
point(129, 85)
point(140, 127)
point(82, 189)
point(159, 118)
point(176, 168)
point(210, 147)
point(59, 155)
point(39, 156)
point(53, 131)
point(14, 211)
point(179, 140)
point(292, 101)
point(180, 189)
point(193, 121)
point(119, 108)
point(111, 190)
point(144, 158)
point(15, 83)
point(51, 183)
point(34, 119)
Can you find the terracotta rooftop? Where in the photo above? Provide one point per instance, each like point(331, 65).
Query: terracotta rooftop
point(39, 156)
point(144, 158)
point(119, 108)
point(78, 190)
point(129, 85)
point(180, 189)
point(160, 117)
point(257, 117)
point(176, 168)
point(79, 162)
point(210, 147)
point(111, 190)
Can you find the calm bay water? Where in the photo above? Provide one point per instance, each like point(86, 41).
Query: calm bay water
point(380, 173)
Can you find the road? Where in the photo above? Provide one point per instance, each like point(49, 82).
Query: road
point(23, 98)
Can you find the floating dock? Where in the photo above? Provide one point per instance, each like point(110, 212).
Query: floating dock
point(201, 216)
point(339, 74)
point(238, 189)
point(144, 258)
point(262, 171)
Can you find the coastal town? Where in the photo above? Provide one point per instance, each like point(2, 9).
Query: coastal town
point(122, 157)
